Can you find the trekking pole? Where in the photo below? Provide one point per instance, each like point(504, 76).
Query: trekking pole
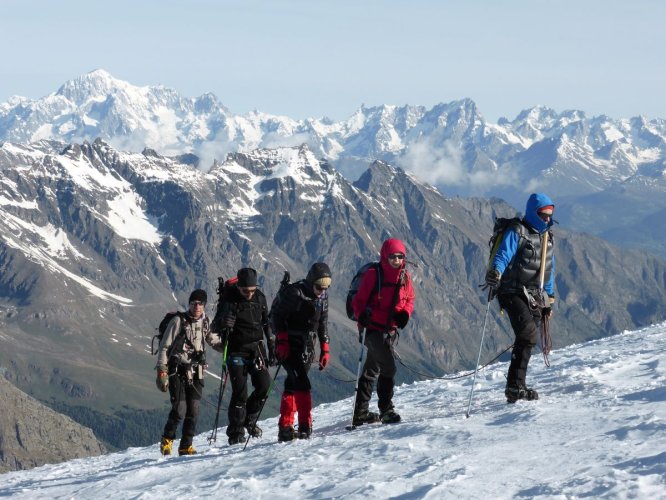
point(263, 403)
point(223, 384)
point(478, 359)
point(358, 376)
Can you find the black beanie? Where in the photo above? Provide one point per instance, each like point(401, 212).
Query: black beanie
point(247, 277)
point(320, 274)
point(199, 295)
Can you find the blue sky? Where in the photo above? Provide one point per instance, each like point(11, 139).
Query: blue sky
point(314, 58)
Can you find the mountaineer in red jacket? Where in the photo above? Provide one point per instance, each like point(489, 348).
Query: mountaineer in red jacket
point(384, 302)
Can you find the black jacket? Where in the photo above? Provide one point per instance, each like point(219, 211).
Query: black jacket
point(249, 319)
point(300, 312)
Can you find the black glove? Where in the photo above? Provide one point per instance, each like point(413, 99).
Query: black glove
point(493, 277)
point(401, 318)
point(364, 318)
point(229, 321)
point(272, 358)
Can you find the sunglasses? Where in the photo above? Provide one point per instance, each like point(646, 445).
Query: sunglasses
point(197, 303)
point(321, 288)
point(398, 256)
point(247, 291)
point(544, 216)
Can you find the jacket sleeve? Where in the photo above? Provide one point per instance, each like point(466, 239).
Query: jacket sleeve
point(322, 330)
point(215, 340)
point(360, 300)
point(168, 338)
point(506, 251)
point(222, 315)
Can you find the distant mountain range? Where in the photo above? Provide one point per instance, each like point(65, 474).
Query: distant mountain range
point(608, 176)
point(96, 244)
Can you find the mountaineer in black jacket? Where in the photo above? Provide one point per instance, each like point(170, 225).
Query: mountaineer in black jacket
point(243, 319)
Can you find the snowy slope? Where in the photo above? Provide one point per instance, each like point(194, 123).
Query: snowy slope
point(598, 430)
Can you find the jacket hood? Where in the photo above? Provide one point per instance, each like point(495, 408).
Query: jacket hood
point(534, 203)
point(392, 245)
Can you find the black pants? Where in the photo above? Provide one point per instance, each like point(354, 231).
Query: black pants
point(525, 323)
point(379, 366)
point(297, 364)
point(185, 397)
point(241, 408)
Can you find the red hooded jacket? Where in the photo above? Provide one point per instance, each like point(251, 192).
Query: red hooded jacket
point(380, 303)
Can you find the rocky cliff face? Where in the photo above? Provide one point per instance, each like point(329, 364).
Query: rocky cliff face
point(32, 434)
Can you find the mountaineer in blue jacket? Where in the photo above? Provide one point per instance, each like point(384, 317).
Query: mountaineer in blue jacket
point(514, 274)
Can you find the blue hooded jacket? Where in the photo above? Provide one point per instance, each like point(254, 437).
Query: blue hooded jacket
point(509, 245)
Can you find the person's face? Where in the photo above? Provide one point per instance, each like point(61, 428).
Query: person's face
point(247, 291)
point(318, 290)
point(396, 259)
point(197, 308)
point(545, 216)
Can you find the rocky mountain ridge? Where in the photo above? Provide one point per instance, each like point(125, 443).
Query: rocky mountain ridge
point(32, 434)
point(96, 244)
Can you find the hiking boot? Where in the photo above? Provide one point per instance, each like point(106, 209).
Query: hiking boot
point(166, 445)
point(236, 439)
point(515, 392)
point(286, 433)
point(188, 450)
point(389, 417)
point(254, 430)
point(364, 417)
point(304, 431)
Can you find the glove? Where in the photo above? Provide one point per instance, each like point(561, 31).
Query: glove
point(323, 356)
point(272, 358)
point(364, 318)
point(162, 380)
point(229, 321)
point(282, 347)
point(547, 311)
point(401, 318)
point(493, 277)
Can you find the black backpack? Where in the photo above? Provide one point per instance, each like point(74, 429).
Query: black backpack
point(356, 282)
point(286, 281)
point(162, 328)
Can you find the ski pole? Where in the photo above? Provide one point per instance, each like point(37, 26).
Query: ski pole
point(478, 359)
point(358, 377)
point(223, 385)
point(263, 403)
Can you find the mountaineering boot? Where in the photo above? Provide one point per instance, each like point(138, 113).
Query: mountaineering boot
point(389, 417)
point(286, 433)
point(236, 434)
point(189, 450)
point(254, 430)
point(518, 391)
point(363, 416)
point(304, 431)
point(166, 446)
point(236, 439)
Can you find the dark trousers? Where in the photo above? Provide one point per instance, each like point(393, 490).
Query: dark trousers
point(297, 364)
point(379, 366)
point(525, 323)
point(185, 397)
point(242, 409)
